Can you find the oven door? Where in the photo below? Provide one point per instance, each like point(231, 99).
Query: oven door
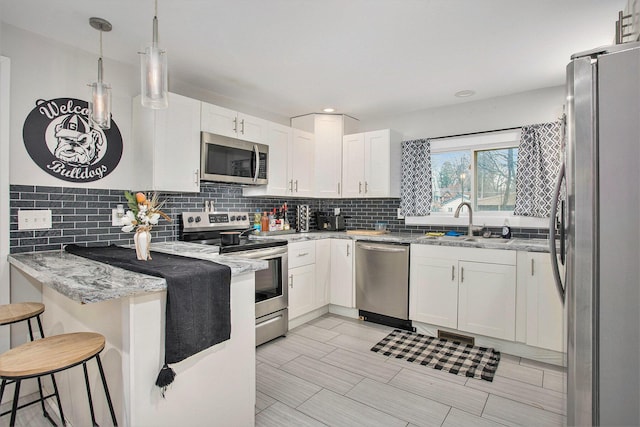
point(272, 293)
point(225, 159)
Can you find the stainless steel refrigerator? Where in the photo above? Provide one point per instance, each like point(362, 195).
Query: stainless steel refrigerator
point(602, 233)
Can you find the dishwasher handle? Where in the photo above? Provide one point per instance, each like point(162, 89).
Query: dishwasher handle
point(382, 248)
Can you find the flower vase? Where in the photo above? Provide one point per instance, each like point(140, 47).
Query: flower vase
point(142, 240)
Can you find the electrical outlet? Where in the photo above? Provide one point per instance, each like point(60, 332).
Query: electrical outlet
point(116, 218)
point(34, 220)
point(336, 211)
point(400, 216)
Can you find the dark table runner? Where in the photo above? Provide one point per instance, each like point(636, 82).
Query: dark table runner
point(198, 313)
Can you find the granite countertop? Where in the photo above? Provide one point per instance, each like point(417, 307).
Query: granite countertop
point(87, 281)
point(517, 244)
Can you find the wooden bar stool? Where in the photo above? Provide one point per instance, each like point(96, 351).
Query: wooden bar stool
point(49, 355)
point(25, 311)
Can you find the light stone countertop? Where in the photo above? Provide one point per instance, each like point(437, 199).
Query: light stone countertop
point(516, 244)
point(87, 281)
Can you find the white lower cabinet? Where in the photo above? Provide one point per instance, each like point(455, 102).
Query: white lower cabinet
point(487, 299)
point(472, 290)
point(323, 272)
point(301, 290)
point(545, 325)
point(342, 288)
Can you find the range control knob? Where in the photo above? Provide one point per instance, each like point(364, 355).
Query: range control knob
point(198, 219)
point(190, 220)
point(233, 218)
point(244, 217)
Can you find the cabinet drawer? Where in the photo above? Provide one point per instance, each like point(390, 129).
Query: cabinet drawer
point(302, 253)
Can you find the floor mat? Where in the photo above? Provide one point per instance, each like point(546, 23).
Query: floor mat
point(450, 356)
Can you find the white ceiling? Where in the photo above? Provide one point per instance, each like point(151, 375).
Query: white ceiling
point(367, 58)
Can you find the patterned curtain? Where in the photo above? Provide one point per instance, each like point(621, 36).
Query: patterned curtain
point(539, 160)
point(415, 184)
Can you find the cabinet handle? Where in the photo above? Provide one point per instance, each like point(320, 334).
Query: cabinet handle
point(532, 270)
point(291, 281)
point(290, 186)
point(235, 124)
point(196, 177)
point(359, 187)
point(303, 254)
point(242, 126)
point(461, 274)
point(453, 273)
point(338, 188)
point(296, 185)
point(366, 187)
point(347, 249)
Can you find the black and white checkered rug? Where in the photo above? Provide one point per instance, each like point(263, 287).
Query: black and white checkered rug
point(450, 356)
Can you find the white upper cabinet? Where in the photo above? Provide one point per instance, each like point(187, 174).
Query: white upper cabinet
point(226, 122)
point(301, 164)
point(371, 164)
point(291, 166)
point(328, 130)
point(167, 145)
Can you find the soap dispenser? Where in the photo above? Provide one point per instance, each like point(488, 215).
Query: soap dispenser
point(506, 230)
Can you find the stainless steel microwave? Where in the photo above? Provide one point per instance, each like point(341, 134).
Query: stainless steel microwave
point(225, 159)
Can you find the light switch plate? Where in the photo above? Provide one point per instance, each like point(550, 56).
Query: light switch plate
point(34, 220)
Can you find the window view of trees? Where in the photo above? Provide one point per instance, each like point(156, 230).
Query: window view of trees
point(494, 183)
point(496, 179)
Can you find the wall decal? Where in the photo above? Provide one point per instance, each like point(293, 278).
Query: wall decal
point(59, 139)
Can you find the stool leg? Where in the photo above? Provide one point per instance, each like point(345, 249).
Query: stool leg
point(14, 408)
point(106, 391)
point(44, 409)
point(86, 381)
point(55, 390)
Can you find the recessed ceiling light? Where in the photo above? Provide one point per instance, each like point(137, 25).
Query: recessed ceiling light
point(464, 93)
point(329, 110)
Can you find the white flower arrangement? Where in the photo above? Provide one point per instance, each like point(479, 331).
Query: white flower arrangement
point(143, 212)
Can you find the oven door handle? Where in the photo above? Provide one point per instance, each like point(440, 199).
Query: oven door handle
point(258, 254)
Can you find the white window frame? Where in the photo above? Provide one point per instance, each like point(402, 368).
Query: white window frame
point(472, 143)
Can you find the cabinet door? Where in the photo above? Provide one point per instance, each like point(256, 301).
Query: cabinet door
point(301, 163)
point(353, 165)
point(219, 120)
point(377, 164)
point(328, 156)
point(487, 299)
point(323, 272)
point(545, 320)
point(342, 288)
point(177, 146)
point(301, 290)
point(251, 128)
point(433, 285)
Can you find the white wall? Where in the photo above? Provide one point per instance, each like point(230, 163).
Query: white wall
point(536, 106)
point(44, 69)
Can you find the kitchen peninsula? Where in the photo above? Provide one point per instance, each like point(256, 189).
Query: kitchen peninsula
point(217, 384)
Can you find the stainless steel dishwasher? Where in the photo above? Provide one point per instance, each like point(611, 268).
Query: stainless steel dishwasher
point(382, 283)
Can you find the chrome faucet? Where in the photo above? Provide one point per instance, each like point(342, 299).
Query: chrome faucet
point(457, 215)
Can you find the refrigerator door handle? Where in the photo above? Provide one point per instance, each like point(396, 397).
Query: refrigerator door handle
point(552, 234)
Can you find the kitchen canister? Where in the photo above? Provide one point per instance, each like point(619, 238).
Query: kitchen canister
point(303, 217)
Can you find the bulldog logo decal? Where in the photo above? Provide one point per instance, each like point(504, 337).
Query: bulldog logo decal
point(59, 138)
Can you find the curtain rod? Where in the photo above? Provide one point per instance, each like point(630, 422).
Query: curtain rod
point(475, 133)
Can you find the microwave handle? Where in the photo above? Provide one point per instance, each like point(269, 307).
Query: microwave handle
point(257, 168)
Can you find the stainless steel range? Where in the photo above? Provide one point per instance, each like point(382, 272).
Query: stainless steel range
point(272, 299)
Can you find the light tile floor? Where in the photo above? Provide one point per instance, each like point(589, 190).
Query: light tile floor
point(323, 373)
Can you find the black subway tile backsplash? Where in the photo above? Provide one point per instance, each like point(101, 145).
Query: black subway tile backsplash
point(83, 216)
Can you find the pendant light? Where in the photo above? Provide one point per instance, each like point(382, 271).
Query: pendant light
point(100, 101)
point(153, 72)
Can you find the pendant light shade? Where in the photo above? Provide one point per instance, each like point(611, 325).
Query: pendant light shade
point(100, 99)
point(153, 72)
